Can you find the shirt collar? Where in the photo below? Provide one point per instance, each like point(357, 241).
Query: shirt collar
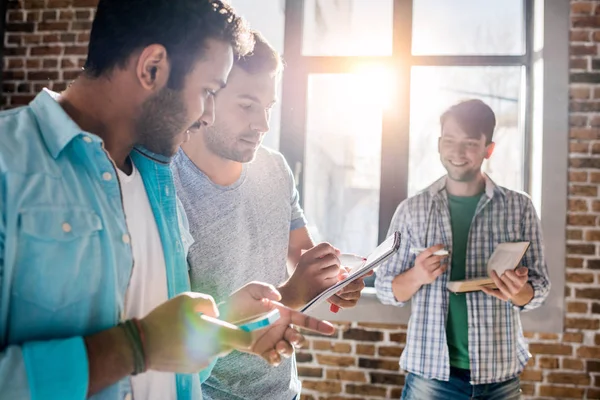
point(490, 186)
point(57, 128)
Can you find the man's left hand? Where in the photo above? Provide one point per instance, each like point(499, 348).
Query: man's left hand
point(511, 286)
point(349, 295)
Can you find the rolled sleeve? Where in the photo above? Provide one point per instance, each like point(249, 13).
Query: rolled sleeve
point(534, 259)
point(400, 262)
point(55, 369)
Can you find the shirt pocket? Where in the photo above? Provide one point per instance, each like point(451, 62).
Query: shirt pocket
point(59, 258)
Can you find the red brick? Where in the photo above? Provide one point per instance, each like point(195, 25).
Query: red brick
point(49, 15)
point(83, 14)
point(579, 176)
point(580, 93)
point(366, 390)
point(548, 362)
point(339, 361)
point(323, 386)
point(529, 375)
point(579, 148)
point(378, 364)
point(390, 351)
point(585, 21)
point(310, 372)
point(580, 278)
point(363, 335)
point(42, 75)
point(589, 352)
point(592, 294)
point(568, 378)
point(578, 121)
point(587, 249)
point(579, 35)
point(574, 234)
point(66, 15)
point(577, 308)
point(365, 349)
point(561, 392)
point(551, 349)
point(50, 63)
point(75, 50)
point(574, 262)
point(594, 177)
point(573, 364)
point(583, 190)
point(582, 323)
point(71, 75)
point(346, 375)
point(59, 3)
point(46, 51)
point(53, 26)
point(581, 7)
point(380, 378)
point(85, 3)
point(584, 133)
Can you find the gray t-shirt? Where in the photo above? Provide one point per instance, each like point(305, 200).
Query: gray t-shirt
point(241, 234)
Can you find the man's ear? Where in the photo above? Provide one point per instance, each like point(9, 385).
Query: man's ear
point(152, 69)
point(489, 150)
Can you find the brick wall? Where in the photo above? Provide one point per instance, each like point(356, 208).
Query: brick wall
point(45, 46)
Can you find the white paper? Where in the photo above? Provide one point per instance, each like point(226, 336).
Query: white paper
point(506, 256)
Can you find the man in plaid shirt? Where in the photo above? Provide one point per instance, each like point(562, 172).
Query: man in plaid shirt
point(464, 346)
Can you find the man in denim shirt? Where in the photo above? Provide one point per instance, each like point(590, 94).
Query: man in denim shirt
point(90, 228)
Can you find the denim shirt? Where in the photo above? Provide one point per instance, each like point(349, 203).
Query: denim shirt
point(65, 253)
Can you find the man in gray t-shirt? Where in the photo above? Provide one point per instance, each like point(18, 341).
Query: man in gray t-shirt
point(242, 205)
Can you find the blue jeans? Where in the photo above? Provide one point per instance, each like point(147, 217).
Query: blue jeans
point(458, 388)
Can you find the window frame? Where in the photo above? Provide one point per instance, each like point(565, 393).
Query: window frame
point(395, 130)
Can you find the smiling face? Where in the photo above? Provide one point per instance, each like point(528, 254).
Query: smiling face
point(462, 154)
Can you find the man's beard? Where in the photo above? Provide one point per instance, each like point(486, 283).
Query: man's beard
point(220, 143)
point(162, 119)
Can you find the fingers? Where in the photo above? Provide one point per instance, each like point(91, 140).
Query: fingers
point(429, 252)
point(302, 320)
point(261, 290)
point(513, 281)
point(228, 334)
point(432, 262)
point(284, 349)
point(341, 302)
point(294, 337)
point(321, 250)
point(272, 357)
point(355, 287)
point(493, 292)
point(500, 284)
point(522, 271)
point(203, 303)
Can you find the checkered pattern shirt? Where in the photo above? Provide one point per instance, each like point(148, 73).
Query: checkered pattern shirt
point(497, 349)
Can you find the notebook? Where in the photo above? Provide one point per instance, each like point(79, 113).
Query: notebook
point(379, 255)
point(506, 256)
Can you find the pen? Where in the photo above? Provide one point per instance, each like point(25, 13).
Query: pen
point(347, 260)
point(419, 250)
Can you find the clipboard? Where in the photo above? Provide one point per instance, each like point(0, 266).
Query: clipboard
point(384, 251)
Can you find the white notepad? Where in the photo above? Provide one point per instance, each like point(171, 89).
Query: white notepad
point(379, 255)
point(506, 256)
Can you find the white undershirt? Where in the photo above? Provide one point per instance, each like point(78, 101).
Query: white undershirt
point(148, 285)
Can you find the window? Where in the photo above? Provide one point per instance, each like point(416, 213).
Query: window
point(364, 86)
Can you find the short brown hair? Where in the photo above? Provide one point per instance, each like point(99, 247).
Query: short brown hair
point(474, 116)
point(264, 58)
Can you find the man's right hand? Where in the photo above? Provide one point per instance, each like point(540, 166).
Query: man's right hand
point(428, 267)
point(178, 338)
point(317, 270)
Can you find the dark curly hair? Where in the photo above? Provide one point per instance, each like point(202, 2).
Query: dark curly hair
point(122, 27)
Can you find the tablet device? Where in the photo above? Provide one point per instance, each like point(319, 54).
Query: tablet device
point(379, 255)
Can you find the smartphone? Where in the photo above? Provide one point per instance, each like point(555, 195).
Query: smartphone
point(260, 322)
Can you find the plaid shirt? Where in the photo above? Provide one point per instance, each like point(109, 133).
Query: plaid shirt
point(497, 349)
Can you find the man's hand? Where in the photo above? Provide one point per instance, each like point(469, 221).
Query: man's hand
point(246, 302)
point(181, 336)
point(279, 339)
point(349, 295)
point(317, 270)
point(512, 286)
point(429, 267)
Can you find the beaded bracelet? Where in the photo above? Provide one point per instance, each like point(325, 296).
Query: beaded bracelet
point(134, 332)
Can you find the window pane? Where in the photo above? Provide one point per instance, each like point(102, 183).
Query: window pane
point(434, 89)
point(343, 161)
point(468, 27)
point(269, 19)
point(347, 27)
